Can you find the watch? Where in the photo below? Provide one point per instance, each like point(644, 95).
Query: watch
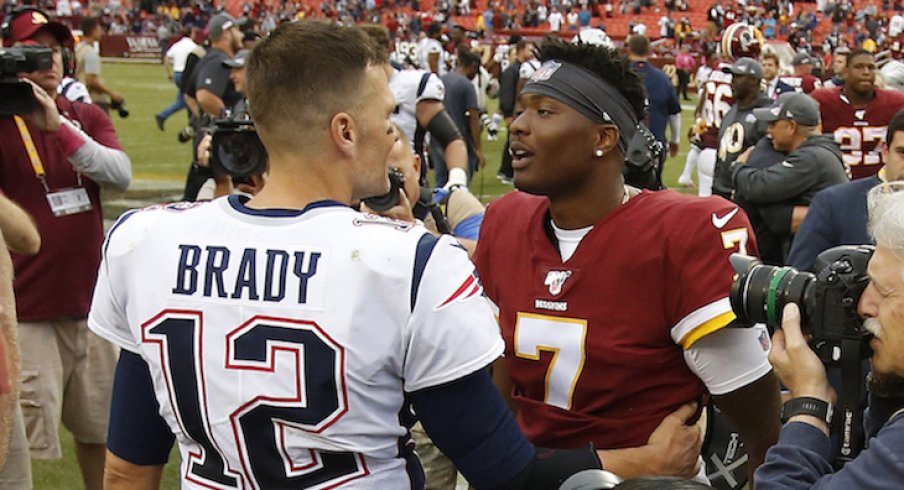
point(807, 405)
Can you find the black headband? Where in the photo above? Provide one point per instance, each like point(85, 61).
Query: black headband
point(586, 93)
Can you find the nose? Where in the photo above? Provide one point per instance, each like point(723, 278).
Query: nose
point(868, 306)
point(519, 125)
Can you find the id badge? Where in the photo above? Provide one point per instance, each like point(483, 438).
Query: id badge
point(69, 201)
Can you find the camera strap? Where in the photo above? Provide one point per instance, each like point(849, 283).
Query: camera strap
point(848, 420)
point(32, 151)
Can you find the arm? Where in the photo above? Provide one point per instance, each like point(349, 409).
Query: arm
point(675, 132)
point(476, 128)
point(433, 61)
point(119, 474)
point(209, 102)
point(426, 111)
point(779, 182)
point(91, 61)
point(817, 233)
point(168, 64)
point(797, 217)
point(17, 228)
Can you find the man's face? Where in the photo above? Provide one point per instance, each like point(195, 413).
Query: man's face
point(893, 155)
point(839, 63)
point(552, 147)
point(402, 158)
point(237, 75)
point(781, 133)
point(236, 38)
point(770, 68)
point(50, 78)
point(744, 86)
point(860, 75)
point(882, 304)
point(527, 53)
point(376, 134)
point(803, 69)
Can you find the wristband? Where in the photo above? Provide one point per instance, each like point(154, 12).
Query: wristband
point(807, 405)
point(457, 177)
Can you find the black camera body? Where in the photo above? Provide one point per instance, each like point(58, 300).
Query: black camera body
point(391, 199)
point(16, 96)
point(236, 149)
point(828, 300)
point(120, 108)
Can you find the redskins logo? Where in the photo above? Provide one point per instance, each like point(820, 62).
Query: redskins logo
point(38, 18)
point(740, 40)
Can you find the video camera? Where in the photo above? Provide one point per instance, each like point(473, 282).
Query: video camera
point(236, 149)
point(16, 96)
point(828, 300)
point(426, 204)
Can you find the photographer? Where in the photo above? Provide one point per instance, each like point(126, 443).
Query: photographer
point(88, 66)
point(801, 459)
point(53, 162)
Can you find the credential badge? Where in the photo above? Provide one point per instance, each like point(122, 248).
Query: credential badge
point(555, 280)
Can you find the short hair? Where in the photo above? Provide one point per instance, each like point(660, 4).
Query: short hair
point(659, 483)
point(434, 29)
point(771, 55)
point(468, 58)
point(304, 73)
point(896, 124)
point(857, 52)
point(639, 45)
point(885, 203)
point(88, 24)
point(522, 43)
point(379, 36)
point(607, 63)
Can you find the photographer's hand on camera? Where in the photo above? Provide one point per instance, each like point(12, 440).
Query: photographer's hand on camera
point(204, 150)
point(46, 115)
point(403, 211)
point(798, 366)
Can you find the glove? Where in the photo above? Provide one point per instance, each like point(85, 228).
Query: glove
point(458, 177)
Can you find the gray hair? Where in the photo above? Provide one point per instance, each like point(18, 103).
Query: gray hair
point(886, 216)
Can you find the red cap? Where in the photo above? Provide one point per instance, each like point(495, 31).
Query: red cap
point(28, 23)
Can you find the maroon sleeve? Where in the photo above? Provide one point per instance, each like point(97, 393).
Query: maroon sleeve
point(97, 124)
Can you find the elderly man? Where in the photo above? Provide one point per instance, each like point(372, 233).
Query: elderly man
point(801, 458)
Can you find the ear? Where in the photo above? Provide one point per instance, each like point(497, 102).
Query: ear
point(417, 164)
point(343, 132)
point(607, 137)
point(884, 151)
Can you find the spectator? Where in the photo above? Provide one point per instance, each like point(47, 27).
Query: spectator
point(174, 60)
point(367, 377)
point(66, 369)
point(803, 67)
point(838, 215)
point(87, 62)
point(573, 19)
point(555, 20)
point(801, 459)
point(775, 86)
point(686, 65)
point(813, 163)
point(839, 65)
point(664, 108)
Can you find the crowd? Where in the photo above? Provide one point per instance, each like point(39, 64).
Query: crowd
point(313, 314)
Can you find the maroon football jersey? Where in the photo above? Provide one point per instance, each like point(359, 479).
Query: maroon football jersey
point(595, 345)
point(858, 130)
point(718, 99)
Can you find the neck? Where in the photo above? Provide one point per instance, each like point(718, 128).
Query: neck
point(293, 183)
point(637, 57)
point(592, 201)
point(856, 98)
point(225, 47)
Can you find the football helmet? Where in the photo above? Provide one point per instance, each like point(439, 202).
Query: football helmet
point(741, 40)
point(892, 73)
point(593, 36)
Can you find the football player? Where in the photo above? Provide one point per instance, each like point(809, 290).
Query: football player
point(738, 41)
point(286, 338)
point(613, 302)
point(857, 114)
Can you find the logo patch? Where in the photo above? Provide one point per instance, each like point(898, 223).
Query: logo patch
point(545, 71)
point(860, 114)
point(719, 222)
point(468, 289)
point(555, 280)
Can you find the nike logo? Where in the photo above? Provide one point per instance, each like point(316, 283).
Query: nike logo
point(786, 164)
point(720, 222)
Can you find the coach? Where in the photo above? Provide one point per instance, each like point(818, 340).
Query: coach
point(801, 457)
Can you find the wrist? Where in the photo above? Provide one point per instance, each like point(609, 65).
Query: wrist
point(817, 422)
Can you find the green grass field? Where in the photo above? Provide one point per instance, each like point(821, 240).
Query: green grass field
point(157, 156)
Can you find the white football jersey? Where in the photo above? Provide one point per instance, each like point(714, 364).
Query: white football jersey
point(404, 85)
point(425, 48)
point(281, 343)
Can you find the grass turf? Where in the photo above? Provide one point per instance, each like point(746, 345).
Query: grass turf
point(157, 156)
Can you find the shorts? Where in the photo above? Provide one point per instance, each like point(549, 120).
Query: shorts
point(67, 374)
point(16, 473)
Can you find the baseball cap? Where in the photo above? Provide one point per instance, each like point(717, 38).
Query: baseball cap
point(745, 66)
point(26, 24)
point(801, 59)
point(219, 24)
point(239, 60)
point(794, 106)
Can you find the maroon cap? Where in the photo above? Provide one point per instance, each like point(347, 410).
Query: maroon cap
point(25, 25)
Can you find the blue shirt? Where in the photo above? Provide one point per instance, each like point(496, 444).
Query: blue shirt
point(662, 95)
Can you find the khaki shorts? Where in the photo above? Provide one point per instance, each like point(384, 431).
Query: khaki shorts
point(67, 373)
point(16, 473)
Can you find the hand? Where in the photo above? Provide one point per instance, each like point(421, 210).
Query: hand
point(117, 98)
point(674, 447)
point(743, 157)
point(794, 362)
point(46, 116)
point(481, 159)
point(401, 211)
point(673, 149)
point(204, 150)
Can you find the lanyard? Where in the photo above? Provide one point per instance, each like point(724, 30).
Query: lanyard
point(32, 151)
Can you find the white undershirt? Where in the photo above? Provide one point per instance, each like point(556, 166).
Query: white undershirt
point(568, 240)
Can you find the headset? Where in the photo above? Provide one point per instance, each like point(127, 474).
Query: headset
point(6, 31)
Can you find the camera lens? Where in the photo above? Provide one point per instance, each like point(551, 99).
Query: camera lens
point(240, 154)
point(760, 293)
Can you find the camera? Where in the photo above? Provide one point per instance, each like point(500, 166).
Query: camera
point(828, 300)
point(16, 96)
point(390, 199)
point(236, 149)
point(120, 108)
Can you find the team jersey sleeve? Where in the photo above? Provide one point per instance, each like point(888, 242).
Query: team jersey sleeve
point(451, 332)
point(434, 89)
point(107, 316)
point(700, 270)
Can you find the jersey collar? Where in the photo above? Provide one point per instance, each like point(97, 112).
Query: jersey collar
point(237, 203)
